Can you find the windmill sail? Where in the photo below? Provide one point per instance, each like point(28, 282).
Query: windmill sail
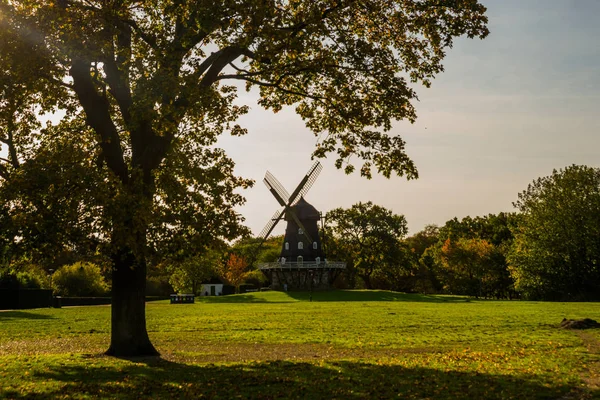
point(266, 231)
point(306, 183)
point(287, 201)
point(277, 189)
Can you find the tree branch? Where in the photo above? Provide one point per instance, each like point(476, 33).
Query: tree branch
point(270, 84)
point(97, 110)
point(149, 39)
point(224, 57)
point(295, 30)
point(117, 72)
point(3, 171)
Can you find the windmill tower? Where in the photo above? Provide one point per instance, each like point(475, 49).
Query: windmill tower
point(302, 264)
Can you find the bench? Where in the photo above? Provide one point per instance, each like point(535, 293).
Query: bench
point(182, 298)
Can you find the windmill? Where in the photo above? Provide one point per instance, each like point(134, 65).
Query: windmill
point(288, 201)
point(302, 261)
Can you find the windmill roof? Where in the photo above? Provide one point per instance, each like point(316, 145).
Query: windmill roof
point(305, 210)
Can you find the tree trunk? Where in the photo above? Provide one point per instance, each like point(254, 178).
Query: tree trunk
point(129, 337)
point(128, 312)
point(367, 280)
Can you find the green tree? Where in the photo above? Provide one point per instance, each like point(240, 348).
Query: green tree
point(401, 274)
point(256, 251)
point(425, 280)
point(23, 95)
point(149, 73)
point(53, 200)
point(495, 228)
point(187, 274)
point(79, 279)
point(556, 251)
point(369, 235)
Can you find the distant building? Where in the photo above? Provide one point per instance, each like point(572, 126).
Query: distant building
point(214, 287)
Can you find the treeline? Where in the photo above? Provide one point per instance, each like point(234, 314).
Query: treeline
point(548, 250)
point(235, 265)
point(467, 257)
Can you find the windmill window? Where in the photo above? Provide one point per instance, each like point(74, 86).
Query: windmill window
point(283, 260)
point(318, 260)
point(300, 231)
point(300, 245)
point(300, 259)
point(315, 245)
point(287, 245)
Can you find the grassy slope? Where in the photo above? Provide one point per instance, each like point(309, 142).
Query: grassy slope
point(343, 344)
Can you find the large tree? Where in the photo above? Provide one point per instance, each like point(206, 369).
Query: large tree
point(52, 199)
point(556, 250)
point(417, 245)
point(147, 73)
point(369, 237)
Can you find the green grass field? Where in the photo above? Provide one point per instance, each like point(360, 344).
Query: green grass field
point(345, 344)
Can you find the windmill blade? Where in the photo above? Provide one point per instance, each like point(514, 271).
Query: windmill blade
point(264, 234)
point(277, 189)
point(300, 225)
point(266, 231)
point(306, 182)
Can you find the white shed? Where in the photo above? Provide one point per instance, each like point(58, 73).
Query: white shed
point(212, 289)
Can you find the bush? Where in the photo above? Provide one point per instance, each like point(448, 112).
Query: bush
point(79, 280)
point(158, 286)
point(8, 280)
point(256, 278)
point(30, 280)
point(22, 280)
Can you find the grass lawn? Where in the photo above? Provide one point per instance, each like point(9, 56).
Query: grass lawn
point(344, 344)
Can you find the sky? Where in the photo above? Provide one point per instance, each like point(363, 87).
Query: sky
point(507, 110)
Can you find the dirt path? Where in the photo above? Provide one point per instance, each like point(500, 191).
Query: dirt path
point(209, 351)
point(592, 377)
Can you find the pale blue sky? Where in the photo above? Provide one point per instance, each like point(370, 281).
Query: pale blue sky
point(507, 110)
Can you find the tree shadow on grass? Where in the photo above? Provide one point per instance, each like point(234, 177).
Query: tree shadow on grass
point(376, 295)
point(157, 378)
point(22, 315)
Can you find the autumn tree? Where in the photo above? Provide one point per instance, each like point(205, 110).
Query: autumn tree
point(556, 251)
point(234, 271)
point(483, 240)
point(151, 74)
point(467, 266)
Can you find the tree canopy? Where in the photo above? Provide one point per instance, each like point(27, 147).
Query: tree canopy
point(556, 253)
point(368, 236)
point(150, 78)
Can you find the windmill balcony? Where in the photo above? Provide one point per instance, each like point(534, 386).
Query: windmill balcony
point(303, 265)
